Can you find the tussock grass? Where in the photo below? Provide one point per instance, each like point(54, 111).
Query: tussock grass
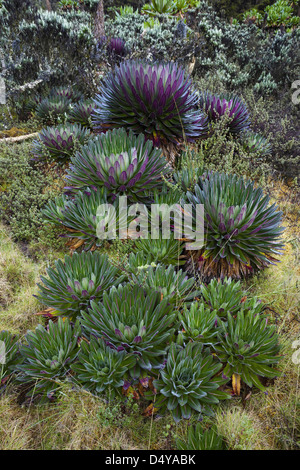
point(15, 426)
point(241, 429)
point(15, 271)
point(18, 278)
point(80, 421)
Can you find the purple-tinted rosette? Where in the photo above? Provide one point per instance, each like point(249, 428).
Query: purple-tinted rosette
point(217, 106)
point(155, 99)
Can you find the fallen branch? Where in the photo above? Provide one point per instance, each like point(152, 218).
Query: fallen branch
point(19, 138)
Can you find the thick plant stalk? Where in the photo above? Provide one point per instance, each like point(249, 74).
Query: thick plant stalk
point(48, 5)
point(99, 30)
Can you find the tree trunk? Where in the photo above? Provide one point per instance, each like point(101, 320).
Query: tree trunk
point(99, 30)
point(48, 5)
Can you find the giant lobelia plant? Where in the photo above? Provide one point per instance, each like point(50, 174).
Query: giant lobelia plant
point(73, 283)
point(121, 162)
point(154, 99)
point(224, 105)
point(188, 383)
point(61, 142)
point(174, 286)
point(227, 296)
point(81, 113)
point(132, 319)
point(249, 347)
point(88, 216)
point(47, 357)
point(242, 230)
point(101, 369)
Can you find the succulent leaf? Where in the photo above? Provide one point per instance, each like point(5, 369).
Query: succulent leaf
point(174, 286)
point(52, 109)
point(101, 369)
point(199, 438)
point(81, 113)
point(162, 250)
point(82, 218)
point(198, 324)
point(256, 143)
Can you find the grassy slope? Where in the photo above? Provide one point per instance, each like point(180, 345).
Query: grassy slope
point(80, 421)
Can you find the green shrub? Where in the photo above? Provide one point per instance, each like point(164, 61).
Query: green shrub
point(158, 7)
point(43, 49)
point(25, 188)
point(167, 40)
point(223, 152)
point(277, 121)
point(281, 13)
point(253, 15)
point(240, 55)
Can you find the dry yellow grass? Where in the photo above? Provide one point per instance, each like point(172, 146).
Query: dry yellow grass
point(18, 277)
point(78, 421)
